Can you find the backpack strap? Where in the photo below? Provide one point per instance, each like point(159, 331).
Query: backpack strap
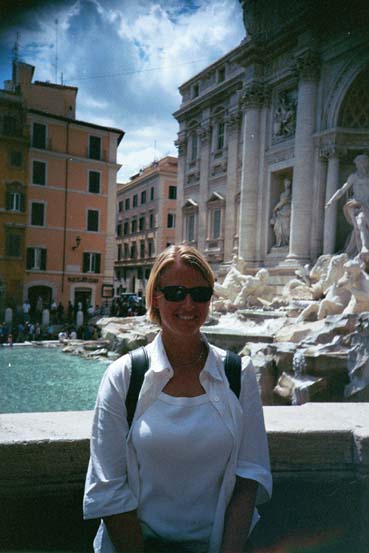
point(232, 367)
point(140, 364)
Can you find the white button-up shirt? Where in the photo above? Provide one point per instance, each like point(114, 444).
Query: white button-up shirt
point(112, 482)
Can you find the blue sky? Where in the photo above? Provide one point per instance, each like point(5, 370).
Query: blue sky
point(127, 57)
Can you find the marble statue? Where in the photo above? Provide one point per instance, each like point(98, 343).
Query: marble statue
point(232, 282)
point(282, 216)
point(348, 294)
point(252, 289)
point(285, 116)
point(358, 282)
point(356, 209)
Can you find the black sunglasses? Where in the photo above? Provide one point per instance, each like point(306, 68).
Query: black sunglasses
point(198, 294)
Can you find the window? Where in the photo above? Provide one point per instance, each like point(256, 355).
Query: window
point(150, 247)
point(142, 222)
point(119, 229)
point(94, 147)
point(134, 225)
point(135, 200)
point(38, 214)
point(15, 201)
point(127, 204)
point(125, 228)
point(94, 182)
point(16, 158)
point(39, 173)
point(193, 146)
point(151, 220)
point(15, 198)
point(126, 250)
point(190, 227)
point(220, 136)
point(120, 207)
point(10, 125)
point(119, 253)
point(171, 223)
point(93, 220)
point(195, 90)
point(143, 197)
point(39, 136)
point(36, 258)
point(142, 248)
point(215, 223)
point(152, 193)
point(91, 262)
point(13, 244)
point(133, 250)
point(221, 74)
point(172, 195)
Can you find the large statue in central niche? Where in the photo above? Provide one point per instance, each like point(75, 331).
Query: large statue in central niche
point(282, 216)
point(356, 209)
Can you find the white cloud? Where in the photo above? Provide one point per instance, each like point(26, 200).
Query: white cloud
point(128, 58)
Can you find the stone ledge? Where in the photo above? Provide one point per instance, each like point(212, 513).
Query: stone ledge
point(45, 451)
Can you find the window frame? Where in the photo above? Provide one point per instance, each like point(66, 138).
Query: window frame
point(40, 162)
point(41, 145)
point(91, 147)
point(88, 212)
point(32, 214)
point(93, 172)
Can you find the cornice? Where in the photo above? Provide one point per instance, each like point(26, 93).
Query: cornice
point(209, 98)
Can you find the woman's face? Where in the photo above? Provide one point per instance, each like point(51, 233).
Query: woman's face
point(183, 318)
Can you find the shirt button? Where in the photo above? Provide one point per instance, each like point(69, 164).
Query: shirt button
point(216, 398)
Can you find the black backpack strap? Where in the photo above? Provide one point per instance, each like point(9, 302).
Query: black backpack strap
point(140, 364)
point(232, 367)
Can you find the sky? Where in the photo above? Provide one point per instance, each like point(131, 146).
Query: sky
point(127, 58)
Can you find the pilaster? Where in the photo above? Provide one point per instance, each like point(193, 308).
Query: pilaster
point(255, 96)
point(204, 133)
point(307, 67)
point(332, 154)
point(181, 144)
point(233, 124)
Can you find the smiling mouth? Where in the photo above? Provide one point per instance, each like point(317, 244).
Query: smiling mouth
point(186, 317)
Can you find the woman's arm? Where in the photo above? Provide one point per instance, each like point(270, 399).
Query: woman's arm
point(239, 515)
point(125, 533)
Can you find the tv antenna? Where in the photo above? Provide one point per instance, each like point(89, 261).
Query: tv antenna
point(56, 49)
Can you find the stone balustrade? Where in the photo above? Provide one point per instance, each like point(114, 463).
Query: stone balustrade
point(320, 462)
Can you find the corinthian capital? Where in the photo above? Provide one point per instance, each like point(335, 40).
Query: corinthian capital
point(181, 143)
point(204, 131)
point(308, 66)
point(255, 95)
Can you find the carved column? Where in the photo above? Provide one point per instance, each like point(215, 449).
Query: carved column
point(302, 191)
point(330, 218)
point(181, 144)
point(204, 133)
point(253, 99)
point(233, 122)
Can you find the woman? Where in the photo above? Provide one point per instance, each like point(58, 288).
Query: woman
point(185, 476)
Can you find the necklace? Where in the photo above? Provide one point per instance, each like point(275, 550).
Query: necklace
point(194, 361)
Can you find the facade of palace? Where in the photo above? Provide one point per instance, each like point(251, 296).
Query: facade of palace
point(146, 221)
point(268, 133)
point(58, 194)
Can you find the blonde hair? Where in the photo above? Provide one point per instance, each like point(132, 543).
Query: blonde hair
point(188, 255)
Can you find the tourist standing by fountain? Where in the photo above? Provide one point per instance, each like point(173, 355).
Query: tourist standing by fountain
point(186, 475)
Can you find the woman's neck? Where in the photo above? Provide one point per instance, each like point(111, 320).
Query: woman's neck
point(184, 352)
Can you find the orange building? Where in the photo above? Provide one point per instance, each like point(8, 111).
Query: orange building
point(13, 182)
point(71, 195)
point(146, 219)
